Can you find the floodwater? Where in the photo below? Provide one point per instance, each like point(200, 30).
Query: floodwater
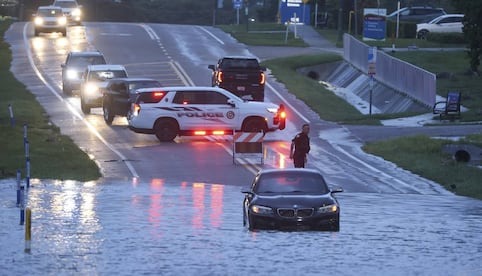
point(130, 228)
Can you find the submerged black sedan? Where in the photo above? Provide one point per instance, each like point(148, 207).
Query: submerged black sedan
point(291, 199)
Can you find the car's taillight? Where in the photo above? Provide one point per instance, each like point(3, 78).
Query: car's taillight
point(262, 78)
point(220, 77)
point(280, 117)
point(135, 109)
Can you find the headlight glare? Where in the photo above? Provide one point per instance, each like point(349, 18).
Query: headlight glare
point(62, 20)
point(333, 208)
point(76, 12)
point(38, 21)
point(262, 210)
point(72, 74)
point(90, 89)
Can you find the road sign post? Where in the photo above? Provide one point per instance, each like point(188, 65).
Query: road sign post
point(372, 61)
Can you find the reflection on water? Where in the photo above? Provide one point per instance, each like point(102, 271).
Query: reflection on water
point(190, 228)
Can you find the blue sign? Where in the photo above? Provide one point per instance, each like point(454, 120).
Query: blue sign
point(295, 11)
point(374, 24)
point(237, 4)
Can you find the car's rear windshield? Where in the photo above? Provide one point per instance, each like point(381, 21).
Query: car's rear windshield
point(79, 61)
point(230, 63)
point(291, 183)
point(50, 12)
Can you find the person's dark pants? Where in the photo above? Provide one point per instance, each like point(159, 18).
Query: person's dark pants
point(299, 161)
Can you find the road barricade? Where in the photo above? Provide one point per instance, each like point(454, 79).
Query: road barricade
point(248, 145)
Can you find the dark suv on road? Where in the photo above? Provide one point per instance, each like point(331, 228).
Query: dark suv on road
point(75, 65)
point(416, 14)
point(120, 93)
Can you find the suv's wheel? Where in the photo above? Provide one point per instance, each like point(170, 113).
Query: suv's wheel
point(84, 106)
point(108, 116)
point(166, 130)
point(254, 125)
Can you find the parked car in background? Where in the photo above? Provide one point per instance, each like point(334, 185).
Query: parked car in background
point(448, 23)
point(71, 9)
point(416, 14)
point(49, 19)
point(75, 65)
point(120, 93)
point(94, 80)
point(293, 198)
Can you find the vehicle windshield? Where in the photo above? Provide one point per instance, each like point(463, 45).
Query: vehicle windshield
point(50, 13)
point(83, 61)
point(66, 4)
point(291, 183)
point(108, 74)
point(133, 86)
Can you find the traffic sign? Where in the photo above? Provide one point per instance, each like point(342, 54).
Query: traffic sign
point(237, 4)
point(372, 60)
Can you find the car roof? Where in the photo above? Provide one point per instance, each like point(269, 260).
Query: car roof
point(101, 67)
point(239, 57)
point(183, 88)
point(289, 170)
point(133, 79)
point(87, 53)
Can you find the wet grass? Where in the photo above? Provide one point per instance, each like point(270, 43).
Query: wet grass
point(424, 156)
point(52, 155)
point(263, 34)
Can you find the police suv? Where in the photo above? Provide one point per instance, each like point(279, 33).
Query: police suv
point(168, 112)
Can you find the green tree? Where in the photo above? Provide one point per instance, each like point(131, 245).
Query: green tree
point(472, 29)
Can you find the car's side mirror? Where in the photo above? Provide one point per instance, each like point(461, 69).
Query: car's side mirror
point(336, 190)
point(212, 67)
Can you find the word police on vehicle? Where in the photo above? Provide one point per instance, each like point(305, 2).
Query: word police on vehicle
point(169, 112)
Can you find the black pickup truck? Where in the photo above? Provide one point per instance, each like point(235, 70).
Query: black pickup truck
point(242, 76)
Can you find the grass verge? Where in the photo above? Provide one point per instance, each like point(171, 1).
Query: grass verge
point(423, 156)
point(263, 34)
point(52, 155)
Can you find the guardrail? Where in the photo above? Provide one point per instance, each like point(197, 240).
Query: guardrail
point(415, 82)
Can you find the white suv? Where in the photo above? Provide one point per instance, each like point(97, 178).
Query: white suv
point(186, 111)
point(94, 80)
point(449, 23)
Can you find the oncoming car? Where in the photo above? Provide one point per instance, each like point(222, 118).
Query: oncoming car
point(169, 112)
point(449, 23)
point(94, 81)
point(71, 9)
point(295, 198)
point(49, 19)
point(75, 64)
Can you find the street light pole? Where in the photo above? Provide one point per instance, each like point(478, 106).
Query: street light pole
point(340, 22)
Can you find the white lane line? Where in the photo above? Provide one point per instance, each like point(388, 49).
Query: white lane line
point(182, 73)
point(71, 107)
point(212, 35)
point(152, 34)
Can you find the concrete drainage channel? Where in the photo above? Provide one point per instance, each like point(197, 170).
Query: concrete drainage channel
point(465, 153)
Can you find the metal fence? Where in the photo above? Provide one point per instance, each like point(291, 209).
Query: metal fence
point(404, 77)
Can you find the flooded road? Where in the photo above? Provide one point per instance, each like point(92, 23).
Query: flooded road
point(162, 228)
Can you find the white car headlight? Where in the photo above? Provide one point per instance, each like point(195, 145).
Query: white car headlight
point(76, 12)
point(263, 210)
point(91, 89)
point(38, 20)
point(72, 74)
point(62, 20)
point(328, 209)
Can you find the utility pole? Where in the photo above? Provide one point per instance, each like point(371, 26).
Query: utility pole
point(340, 21)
